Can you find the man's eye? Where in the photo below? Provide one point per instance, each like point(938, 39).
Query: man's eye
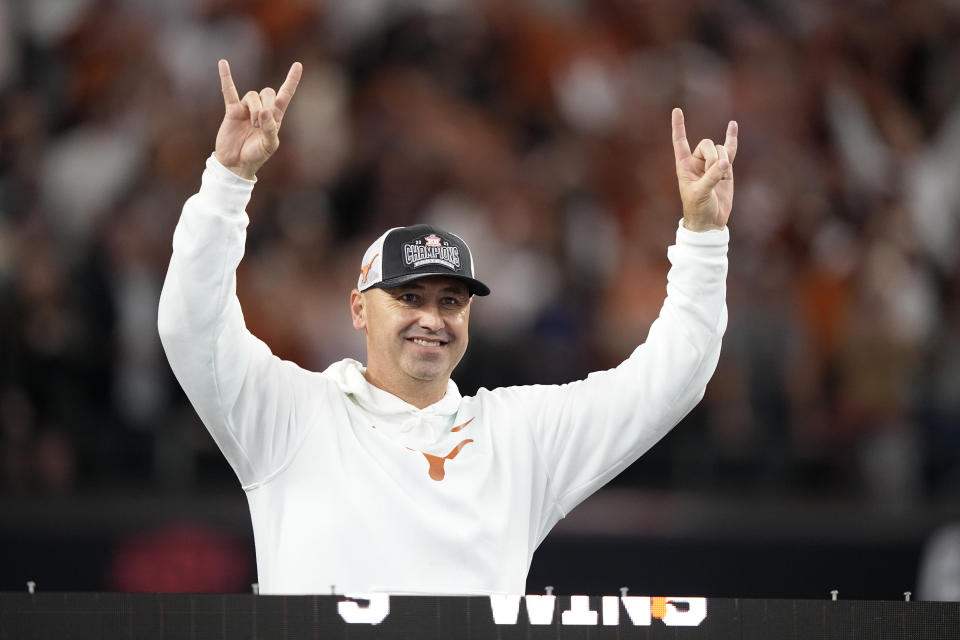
point(409, 298)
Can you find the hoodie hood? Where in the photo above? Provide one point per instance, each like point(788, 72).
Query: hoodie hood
point(420, 429)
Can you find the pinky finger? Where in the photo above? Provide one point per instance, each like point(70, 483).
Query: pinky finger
point(733, 131)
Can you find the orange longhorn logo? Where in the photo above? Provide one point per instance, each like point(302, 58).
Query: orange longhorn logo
point(436, 462)
point(436, 470)
point(365, 269)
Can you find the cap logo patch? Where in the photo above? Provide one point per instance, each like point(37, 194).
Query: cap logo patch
point(431, 250)
point(365, 269)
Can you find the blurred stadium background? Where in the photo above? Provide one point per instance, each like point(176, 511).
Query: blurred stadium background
point(826, 453)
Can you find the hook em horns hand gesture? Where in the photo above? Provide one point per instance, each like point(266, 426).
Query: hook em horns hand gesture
point(705, 177)
point(248, 134)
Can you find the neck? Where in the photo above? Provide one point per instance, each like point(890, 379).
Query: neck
point(419, 393)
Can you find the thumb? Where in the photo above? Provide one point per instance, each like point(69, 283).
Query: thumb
point(715, 174)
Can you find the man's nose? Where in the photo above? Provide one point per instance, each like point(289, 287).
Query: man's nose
point(430, 317)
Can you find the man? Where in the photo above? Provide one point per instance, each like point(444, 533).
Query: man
point(382, 477)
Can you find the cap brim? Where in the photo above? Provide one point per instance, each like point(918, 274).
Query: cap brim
point(476, 287)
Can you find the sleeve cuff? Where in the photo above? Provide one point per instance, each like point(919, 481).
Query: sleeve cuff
point(711, 238)
point(223, 189)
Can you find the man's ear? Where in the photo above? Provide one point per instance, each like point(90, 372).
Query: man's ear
point(358, 310)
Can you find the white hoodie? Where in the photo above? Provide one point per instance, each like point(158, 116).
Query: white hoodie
point(353, 489)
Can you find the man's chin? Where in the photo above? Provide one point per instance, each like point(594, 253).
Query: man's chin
point(427, 372)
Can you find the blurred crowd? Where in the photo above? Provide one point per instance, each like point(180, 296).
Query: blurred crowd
point(540, 131)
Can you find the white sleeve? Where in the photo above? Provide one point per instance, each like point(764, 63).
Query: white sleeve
point(242, 392)
point(590, 430)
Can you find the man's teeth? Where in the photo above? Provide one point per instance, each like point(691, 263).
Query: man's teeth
point(427, 343)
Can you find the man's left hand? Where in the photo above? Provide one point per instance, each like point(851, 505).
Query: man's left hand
point(705, 177)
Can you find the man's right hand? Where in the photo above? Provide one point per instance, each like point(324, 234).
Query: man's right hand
point(248, 135)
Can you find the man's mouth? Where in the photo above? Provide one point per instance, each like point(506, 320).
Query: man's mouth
point(427, 343)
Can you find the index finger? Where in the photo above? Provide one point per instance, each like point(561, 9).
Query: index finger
point(226, 84)
point(289, 87)
point(681, 148)
point(731, 142)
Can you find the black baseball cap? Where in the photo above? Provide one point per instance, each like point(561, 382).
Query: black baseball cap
point(403, 254)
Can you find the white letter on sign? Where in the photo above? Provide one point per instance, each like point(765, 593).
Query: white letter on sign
point(579, 612)
point(695, 612)
point(540, 609)
point(638, 608)
point(505, 608)
point(373, 613)
point(611, 610)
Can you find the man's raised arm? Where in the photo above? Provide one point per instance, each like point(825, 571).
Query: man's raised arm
point(201, 326)
point(590, 430)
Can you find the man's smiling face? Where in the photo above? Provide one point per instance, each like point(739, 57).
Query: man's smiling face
point(416, 332)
